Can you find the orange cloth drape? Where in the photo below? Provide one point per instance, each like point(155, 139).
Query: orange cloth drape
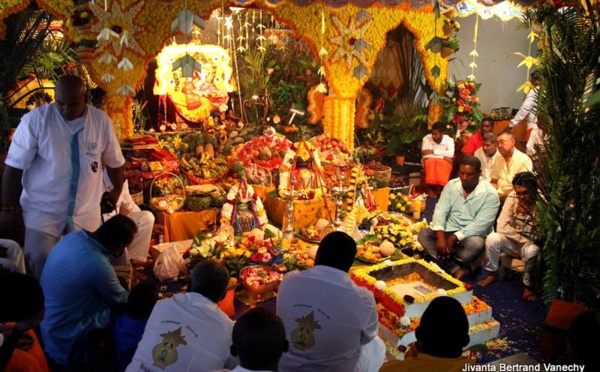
point(185, 225)
point(32, 360)
point(437, 171)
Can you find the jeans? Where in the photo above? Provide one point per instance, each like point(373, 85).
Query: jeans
point(465, 256)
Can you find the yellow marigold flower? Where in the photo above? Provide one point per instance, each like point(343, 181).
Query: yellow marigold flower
point(392, 239)
point(392, 196)
point(402, 209)
point(402, 242)
point(247, 254)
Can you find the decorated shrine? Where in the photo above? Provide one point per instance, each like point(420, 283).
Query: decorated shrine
point(254, 128)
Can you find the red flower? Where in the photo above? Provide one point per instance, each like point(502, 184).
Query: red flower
point(468, 286)
point(256, 257)
point(402, 348)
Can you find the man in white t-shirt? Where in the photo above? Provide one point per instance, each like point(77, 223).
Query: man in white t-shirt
point(188, 332)
point(330, 322)
point(56, 156)
point(488, 154)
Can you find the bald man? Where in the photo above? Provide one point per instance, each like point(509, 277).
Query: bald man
point(54, 170)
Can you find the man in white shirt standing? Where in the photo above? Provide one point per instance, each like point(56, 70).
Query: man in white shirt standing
point(488, 154)
point(438, 153)
point(188, 332)
point(528, 113)
point(55, 159)
point(331, 323)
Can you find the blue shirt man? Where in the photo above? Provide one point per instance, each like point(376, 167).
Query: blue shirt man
point(81, 287)
point(462, 219)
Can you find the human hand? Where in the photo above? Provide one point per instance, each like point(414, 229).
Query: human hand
point(451, 245)
point(440, 247)
point(113, 195)
point(522, 209)
point(107, 205)
point(158, 229)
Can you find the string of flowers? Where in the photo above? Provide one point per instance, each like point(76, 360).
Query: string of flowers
point(461, 107)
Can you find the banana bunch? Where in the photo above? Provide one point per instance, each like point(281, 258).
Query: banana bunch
point(204, 166)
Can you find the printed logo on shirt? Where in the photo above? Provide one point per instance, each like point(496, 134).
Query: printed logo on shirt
point(303, 337)
point(94, 166)
point(165, 353)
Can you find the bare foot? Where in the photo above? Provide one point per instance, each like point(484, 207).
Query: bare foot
point(488, 280)
point(459, 274)
point(529, 295)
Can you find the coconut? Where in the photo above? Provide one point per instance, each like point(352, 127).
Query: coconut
point(321, 224)
point(258, 234)
point(312, 251)
point(386, 248)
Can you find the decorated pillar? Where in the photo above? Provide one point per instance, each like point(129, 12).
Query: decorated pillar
point(347, 38)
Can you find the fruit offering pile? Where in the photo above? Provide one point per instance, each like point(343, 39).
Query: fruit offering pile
point(331, 150)
point(264, 151)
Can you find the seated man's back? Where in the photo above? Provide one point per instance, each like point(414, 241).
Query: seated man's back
point(188, 332)
point(328, 319)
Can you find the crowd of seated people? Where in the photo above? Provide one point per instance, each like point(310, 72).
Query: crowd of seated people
point(76, 304)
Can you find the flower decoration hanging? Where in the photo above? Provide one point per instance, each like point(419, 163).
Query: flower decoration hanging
point(348, 39)
point(461, 106)
point(119, 24)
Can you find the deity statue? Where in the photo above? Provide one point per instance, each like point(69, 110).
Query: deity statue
point(243, 210)
point(302, 163)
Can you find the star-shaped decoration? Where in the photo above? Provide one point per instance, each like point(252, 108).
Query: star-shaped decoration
point(120, 21)
point(346, 37)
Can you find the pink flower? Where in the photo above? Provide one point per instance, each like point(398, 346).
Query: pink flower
point(266, 257)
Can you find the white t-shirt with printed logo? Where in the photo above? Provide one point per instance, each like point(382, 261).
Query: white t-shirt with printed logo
point(327, 320)
point(41, 147)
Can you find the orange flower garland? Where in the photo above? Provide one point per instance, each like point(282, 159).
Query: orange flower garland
point(315, 105)
point(158, 15)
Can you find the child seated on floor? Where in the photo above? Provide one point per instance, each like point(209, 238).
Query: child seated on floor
point(128, 327)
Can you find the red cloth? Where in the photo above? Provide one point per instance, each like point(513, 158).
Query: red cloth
point(437, 171)
point(473, 144)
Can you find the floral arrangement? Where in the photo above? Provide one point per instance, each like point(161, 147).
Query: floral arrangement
point(450, 26)
point(461, 106)
point(402, 234)
point(399, 203)
point(236, 254)
point(389, 298)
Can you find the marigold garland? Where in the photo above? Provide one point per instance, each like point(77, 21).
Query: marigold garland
point(157, 16)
